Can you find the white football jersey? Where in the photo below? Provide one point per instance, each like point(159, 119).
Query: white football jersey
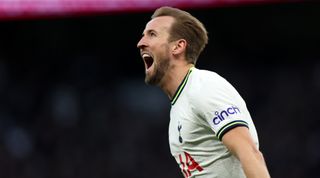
point(204, 108)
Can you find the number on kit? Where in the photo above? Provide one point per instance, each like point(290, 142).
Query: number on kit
point(188, 164)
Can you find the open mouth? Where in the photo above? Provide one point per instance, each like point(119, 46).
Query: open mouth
point(148, 60)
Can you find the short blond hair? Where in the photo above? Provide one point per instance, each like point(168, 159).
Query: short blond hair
point(185, 27)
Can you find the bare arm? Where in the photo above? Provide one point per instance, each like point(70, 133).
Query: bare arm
point(240, 143)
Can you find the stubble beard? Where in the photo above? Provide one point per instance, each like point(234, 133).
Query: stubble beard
point(159, 72)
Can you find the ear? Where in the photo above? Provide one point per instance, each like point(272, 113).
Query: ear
point(179, 47)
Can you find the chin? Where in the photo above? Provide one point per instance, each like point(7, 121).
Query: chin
point(152, 80)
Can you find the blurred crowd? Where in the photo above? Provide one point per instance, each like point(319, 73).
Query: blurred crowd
point(87, 113)
point(64, 125)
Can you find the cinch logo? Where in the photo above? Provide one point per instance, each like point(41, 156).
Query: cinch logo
point(223, 114)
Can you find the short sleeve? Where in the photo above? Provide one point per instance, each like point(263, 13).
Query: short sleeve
point(218, 105)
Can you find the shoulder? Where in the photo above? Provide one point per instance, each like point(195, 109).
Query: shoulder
point(203, 87)
point(209, 90)
point(206, 83)
point(207, 77)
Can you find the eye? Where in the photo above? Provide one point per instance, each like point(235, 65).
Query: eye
point(153, 34)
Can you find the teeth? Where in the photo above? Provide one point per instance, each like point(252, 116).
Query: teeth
point(145, 55)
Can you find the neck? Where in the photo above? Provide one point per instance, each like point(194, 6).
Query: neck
point(173, 78)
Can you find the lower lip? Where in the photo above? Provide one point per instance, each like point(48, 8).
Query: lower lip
point(149, 69)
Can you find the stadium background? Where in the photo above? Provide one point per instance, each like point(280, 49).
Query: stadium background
point(73, 103)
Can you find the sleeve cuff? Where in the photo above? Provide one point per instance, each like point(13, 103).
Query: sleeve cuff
point(229, 126)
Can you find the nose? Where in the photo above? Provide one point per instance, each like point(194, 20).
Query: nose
point(142, 43)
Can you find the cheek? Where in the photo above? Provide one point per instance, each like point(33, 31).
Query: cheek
point(161, 51)
point(164, 47)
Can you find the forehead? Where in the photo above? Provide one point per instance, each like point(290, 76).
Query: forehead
point(161, 23)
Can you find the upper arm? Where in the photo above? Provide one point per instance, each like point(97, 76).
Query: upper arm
point(219, 105)
point(239, 141)
point(241, 144)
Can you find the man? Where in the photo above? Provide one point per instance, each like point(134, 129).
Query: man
point(211, 132)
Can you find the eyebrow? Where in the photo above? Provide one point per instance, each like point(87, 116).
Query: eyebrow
point(149, 31)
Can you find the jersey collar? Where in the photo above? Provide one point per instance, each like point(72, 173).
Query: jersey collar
point(181, 87)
